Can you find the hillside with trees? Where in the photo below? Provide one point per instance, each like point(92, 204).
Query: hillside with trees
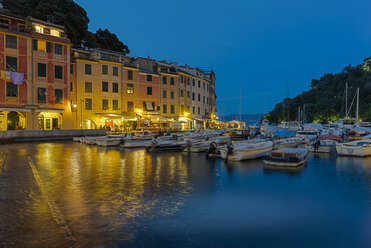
point(325, 102)
point(70, 15)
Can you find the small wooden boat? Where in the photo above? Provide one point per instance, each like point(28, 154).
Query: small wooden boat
point(287, 157)
point(359, 148)
point(243, 151)
point(285, 143)
point(322, 146)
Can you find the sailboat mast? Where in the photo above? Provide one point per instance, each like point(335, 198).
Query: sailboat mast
point(357, 103)
point(346, 100)
point(240, 102)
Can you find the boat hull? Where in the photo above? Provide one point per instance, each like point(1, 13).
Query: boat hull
point(245, 154)
point(356, 151)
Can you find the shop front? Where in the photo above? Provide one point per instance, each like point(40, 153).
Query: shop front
point(50, 119)
point(13, 119)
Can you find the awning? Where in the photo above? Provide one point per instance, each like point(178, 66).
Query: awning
point(15, 109)
point(200, 120)
point(149, 106)
point(50, 110)
point(117, 116)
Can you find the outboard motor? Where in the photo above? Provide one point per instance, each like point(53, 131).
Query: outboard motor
point(230, 147)
point(212, 148)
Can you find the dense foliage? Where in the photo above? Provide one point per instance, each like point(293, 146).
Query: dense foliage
point(325, 102)
point(71, 15)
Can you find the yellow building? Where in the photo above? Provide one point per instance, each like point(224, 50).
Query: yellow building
point(96, 89)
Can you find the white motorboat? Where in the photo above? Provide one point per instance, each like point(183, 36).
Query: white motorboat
point(322, 146)
point(287, 157)
point(359, 148)
point(243, 151)
point(166, 145)
point(136, 143)
point(109, 142)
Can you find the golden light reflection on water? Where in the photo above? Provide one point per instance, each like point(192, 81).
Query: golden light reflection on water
point(94, 185)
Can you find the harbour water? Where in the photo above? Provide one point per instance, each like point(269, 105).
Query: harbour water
point(71, 194)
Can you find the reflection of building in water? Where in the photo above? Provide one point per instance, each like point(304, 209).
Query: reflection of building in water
point(93, 185)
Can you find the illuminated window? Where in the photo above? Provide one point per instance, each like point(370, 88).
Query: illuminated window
point(115, 104)
point(104, 104)
point(58, 93)
point(41, 46)
point(39, 29)
point(130, 89)
point(55, 33)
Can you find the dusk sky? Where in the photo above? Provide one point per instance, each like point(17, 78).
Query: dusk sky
point(256, 48)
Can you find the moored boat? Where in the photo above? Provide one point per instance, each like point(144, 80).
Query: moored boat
point(286, 157)
point(244, 151)
point(359, 148)
point(109, 142)
point(166, 145)
point(322, 146)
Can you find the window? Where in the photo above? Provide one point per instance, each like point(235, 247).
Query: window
point(172, 81)
point(11, 89)
point(164, 95)
point(205, 111)
point(104, 86)
point(130, 89)
point(11, 41)
point(199, 97)
point(39, 29)
point(11, 63)
point(88, 104)
point(207, 100)
point(181, 79)
point(193, 83)
point(58, 96)
point(207, 87)
point(188, 94)
point(58, 49)
point(41, 46)
point(130, 75)
point(199, 84)
point(193, 96)
point(172, 109)
point(188, 108)
point(193, 110)
point(164, 108)
point(149, 91)
point(130, 107)
point(41, 70)
point(181, 93)
point(199, 110)
point(171, 94)
point(203, 99)
point(115, 104)
point(88, 87)
point(182, 109)
point(58, 72)
point(4, 23)
point(188, 81)
point(41, 95)
point(104, 104)
point(115, 71)
point(71, 87)
point(71, 69)
point(149, 78)
point(115, 87)
point(105, 69)
point(55, 33)
point(204, 85)
point(164, 80)
point(87, 69)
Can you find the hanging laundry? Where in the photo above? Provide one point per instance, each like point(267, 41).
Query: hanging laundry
point(17, 78)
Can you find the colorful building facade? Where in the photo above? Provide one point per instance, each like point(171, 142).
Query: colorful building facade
point(35, 56)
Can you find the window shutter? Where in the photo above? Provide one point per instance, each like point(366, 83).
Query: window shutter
point(34, 45)
point(48, 44)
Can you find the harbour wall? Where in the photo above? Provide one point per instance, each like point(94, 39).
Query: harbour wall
point(47, 135)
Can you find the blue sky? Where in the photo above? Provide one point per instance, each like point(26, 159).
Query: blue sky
point(259, 48)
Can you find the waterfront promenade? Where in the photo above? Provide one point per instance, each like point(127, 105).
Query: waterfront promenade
point(70, 194)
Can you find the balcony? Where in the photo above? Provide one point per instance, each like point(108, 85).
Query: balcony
point(15, 29)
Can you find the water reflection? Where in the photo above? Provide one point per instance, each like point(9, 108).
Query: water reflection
point(113, 197)
point(284, 170)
